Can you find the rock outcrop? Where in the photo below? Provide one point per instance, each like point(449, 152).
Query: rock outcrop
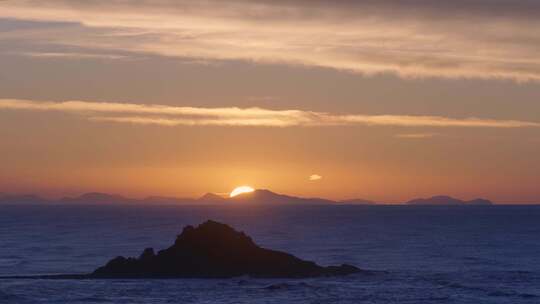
point(215, 250)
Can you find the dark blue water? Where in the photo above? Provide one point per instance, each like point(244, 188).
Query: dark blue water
point(419, 254)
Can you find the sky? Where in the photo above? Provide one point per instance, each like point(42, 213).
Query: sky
point(381, 100)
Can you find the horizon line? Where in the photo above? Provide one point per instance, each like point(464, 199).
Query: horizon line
point(59, 199)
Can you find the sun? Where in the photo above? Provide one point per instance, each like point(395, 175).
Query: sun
point(240, 190)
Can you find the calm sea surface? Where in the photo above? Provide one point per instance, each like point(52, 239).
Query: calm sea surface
point(419, 254)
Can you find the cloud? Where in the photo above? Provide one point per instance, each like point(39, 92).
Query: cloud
point(416, 135)
point(315, 177)
point(419, 38)
point(164, 115)
point(73, 55)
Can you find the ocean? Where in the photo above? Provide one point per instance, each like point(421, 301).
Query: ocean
point(416, 254)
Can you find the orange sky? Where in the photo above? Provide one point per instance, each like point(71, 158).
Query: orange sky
point(381, 100)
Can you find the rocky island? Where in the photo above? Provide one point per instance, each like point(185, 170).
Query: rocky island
point(443, 200)
point(215, 250)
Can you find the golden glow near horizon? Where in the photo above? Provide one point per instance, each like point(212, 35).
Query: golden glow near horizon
point(379, 100)
point(241, 190)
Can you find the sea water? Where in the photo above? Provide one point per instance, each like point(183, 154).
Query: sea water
point(416, 254)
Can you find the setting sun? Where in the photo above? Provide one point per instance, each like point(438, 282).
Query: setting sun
point(240, 190)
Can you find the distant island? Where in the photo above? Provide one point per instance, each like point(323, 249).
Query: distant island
point(263, 196)
point(448, 201)
point(257, 197)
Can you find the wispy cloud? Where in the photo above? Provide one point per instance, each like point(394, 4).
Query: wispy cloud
point(315, 177)
point(423, 38)
point(164, 115)
point(416, 135)
point(74, 55)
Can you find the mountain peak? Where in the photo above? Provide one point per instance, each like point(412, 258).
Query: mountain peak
point(214, 233)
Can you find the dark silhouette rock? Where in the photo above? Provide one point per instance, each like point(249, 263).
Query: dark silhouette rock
point(215, 250)
point(147, 254)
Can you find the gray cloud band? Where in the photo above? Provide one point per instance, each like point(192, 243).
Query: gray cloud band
point(464, 39)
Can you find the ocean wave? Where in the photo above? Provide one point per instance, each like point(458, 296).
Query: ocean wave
point(8, 298)
point(289, 286)
point(487, 290)
point(501, 293)
point(92, 299)
point(10, 261)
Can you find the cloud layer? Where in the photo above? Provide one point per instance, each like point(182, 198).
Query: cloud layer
point(416, 135)
point(233, 116)
point(419, 38)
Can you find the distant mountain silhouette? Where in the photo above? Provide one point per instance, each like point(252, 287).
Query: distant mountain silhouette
point(358, 201)
point(207, 199)
point(212, 198)
point(215, 250)
point(479, 201)
point(97, 198)
point(257, 197)
point(268, 197)
point(447, 200)
point(22, 199)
